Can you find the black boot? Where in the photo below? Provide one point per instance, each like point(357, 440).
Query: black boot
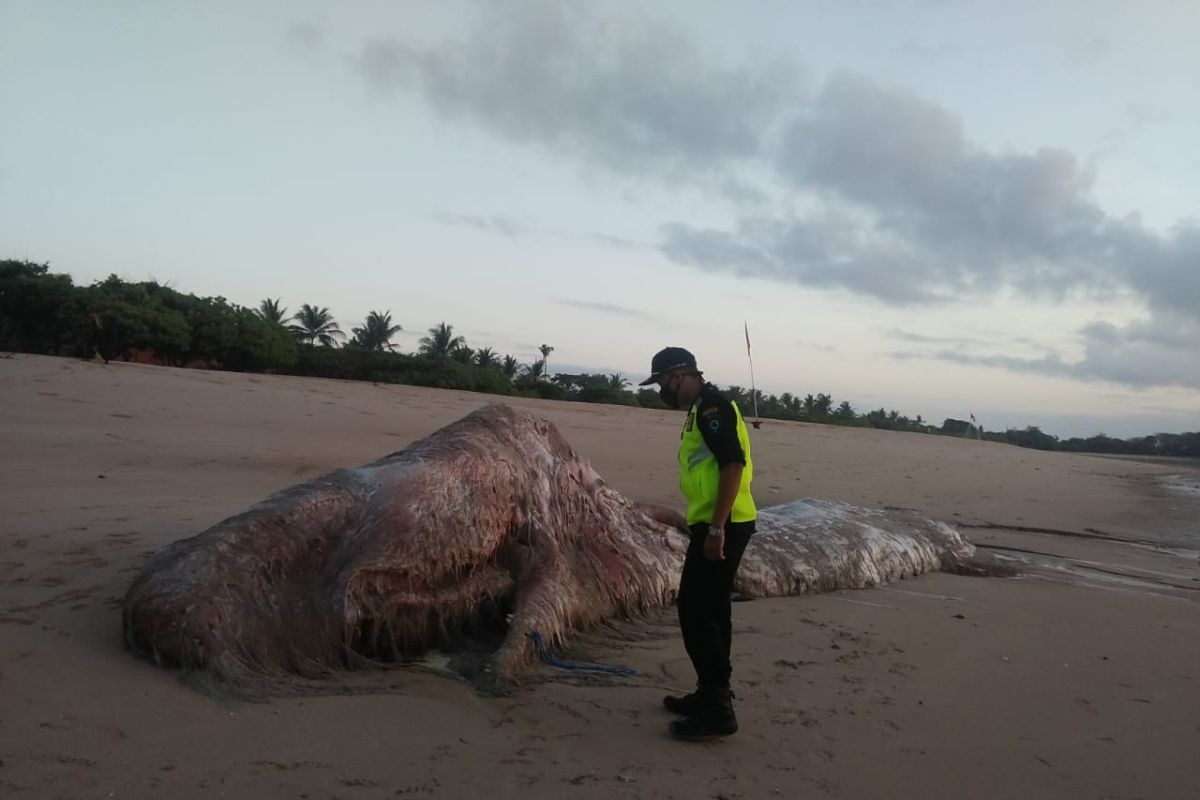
point(714, 717)
point(684, 704)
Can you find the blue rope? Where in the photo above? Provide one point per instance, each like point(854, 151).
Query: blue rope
point(546, 658)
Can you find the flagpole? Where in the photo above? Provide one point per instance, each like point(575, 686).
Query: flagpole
point(753, 390)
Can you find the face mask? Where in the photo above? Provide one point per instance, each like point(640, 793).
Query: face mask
point(669, 396)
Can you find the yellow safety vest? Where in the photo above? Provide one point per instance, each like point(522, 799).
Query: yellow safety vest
point(700, 476)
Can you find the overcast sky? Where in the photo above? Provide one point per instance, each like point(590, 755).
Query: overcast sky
point(940, 207)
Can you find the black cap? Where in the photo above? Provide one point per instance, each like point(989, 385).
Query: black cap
point(667, 359)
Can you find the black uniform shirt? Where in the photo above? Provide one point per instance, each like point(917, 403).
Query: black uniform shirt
point(718, 426)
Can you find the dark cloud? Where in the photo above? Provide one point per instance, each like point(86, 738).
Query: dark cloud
point(602, 308)
point(633, 95)
point(1165, 270)
point(826, 250)
point(1154, 353)
point(906, 210)
point(1160, 351)
point(1052, 364)
point(743, 193)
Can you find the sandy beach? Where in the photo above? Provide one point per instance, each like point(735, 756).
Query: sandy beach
point(1078, 679)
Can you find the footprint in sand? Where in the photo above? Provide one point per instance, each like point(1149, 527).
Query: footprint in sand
point(570, 711)
point(65, 760)
point(65, 722)
point(420, 788)
point(794, 717)
point(287, 767)
point(822, 756)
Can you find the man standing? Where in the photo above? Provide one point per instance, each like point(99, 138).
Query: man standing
point(715, 471)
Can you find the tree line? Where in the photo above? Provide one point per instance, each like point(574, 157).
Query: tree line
point(44, 312)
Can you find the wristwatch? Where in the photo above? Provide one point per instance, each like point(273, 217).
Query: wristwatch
point(716, 530)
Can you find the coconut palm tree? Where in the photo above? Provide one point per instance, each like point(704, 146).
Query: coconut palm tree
point(316, 325)
point(377, 332)
point(463, 354)
point(510, 366)
point(272, 311)
point(810, 405)
point(441, 341)
point(536, 371)
point(486, 357)
point(822, 405)
point(617, 382)
point(790, 403)
point(545, 350)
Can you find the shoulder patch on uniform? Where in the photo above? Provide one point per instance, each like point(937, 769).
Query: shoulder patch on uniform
point(714, 425)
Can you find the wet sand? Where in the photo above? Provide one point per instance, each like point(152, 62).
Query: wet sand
point(1079, 679)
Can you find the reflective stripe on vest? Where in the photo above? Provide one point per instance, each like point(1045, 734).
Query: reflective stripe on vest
point(700, 476)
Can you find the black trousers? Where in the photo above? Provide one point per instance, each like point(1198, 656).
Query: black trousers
point(705, 610)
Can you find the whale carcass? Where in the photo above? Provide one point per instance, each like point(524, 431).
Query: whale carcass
point(492, 522)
